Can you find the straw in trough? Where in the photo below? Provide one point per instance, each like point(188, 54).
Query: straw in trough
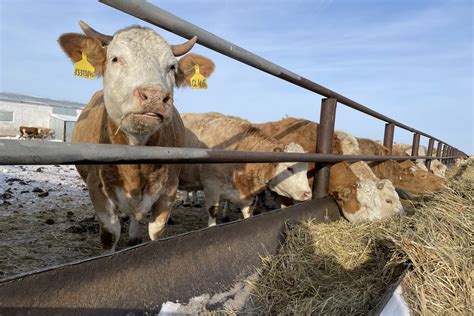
point(343, 268)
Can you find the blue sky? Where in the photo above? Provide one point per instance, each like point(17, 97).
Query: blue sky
point(408, 59)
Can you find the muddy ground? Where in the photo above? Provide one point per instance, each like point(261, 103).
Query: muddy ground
point(46, 218)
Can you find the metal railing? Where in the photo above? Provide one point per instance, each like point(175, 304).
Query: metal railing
point(16, 152)
point(161, 18)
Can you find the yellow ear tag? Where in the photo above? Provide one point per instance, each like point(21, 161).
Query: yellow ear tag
point(198, 81)
point(84, 69)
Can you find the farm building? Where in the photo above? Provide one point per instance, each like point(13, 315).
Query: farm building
point(21, 110)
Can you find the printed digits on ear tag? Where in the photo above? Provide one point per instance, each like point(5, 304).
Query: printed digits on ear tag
point(84, 69)
point(198, 81)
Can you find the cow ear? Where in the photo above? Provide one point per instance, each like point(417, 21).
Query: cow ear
point(75, 44)
point(186, 68)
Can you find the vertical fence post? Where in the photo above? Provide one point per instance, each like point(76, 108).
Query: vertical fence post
point(324, 146)
point(429, 153)
point(415, 145)
point(451, 153)
point(438, 150)
point(444, 154)
point(388, 136)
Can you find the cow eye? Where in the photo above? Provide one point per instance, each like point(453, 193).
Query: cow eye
point(290, 169)
point(172, 68)
point(388, 201)
point(115, 59)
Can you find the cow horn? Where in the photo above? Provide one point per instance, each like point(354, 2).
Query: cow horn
point(89, 31)
point(181, 49)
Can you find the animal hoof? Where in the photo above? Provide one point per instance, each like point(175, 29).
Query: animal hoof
point(225, 219)
point(171, 221)
point(134, 241)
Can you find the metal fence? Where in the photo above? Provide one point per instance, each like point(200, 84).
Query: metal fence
point(176, 25)
point(14, 152)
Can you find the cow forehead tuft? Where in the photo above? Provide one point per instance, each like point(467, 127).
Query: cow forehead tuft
point(138, 36)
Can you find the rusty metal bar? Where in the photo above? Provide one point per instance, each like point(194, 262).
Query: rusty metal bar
point(17, 152)
point(165, 20)
point(429, 152)
point(445, 153)
point(388, 136)
point(415, 145)
point(324, 146)
point(452, 154)
point(439, 150)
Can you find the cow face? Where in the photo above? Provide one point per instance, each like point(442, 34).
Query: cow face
point(412, 179)
point(361, 196)
point(140, 71)
point(289, 178)
point(376, 200)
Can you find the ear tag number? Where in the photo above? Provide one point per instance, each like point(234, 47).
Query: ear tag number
point(84, 69)
point(198, 81)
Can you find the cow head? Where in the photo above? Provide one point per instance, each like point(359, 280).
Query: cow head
point(361, 195)
point(413, 179)
point(139, 70)
point(289, 178)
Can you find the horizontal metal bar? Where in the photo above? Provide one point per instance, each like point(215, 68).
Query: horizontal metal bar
point(16, 152)
point(161, 18)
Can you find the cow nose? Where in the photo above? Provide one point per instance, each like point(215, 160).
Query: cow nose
point(307, 195)
point(146, 95)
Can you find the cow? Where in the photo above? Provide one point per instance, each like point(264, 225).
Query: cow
point(437, 167)
point(27, 132)
point(359, 193)
point(405, 175)
point(45, 133)
point(239, 183)
point(135, 107)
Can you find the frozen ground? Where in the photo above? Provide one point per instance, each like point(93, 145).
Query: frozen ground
point(46, 218)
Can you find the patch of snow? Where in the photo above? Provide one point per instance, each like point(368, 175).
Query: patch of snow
point(396, 306)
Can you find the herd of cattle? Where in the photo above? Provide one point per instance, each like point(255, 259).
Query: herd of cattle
point(135, 107)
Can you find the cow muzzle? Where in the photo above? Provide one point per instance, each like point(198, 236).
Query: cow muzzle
point(154, 104)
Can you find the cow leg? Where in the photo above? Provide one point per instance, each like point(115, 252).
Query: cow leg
point(188, 198)
point(247, 210)
point(105, 211)
point(225, 210)
point(161, 211)
point(134, 232)
point(195, 199)
point(212, 204)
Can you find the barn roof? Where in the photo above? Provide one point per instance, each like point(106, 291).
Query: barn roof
point(21, 98)
point(67, 118)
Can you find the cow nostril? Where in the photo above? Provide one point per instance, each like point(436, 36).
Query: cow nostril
point(142, 95)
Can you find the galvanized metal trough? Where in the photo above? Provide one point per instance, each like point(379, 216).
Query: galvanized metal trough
point(139, 279)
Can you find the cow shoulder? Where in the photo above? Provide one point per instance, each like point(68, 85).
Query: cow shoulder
point(92, 122)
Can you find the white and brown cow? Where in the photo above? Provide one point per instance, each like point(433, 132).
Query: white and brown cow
point(436, 166)
point(405, 175)
point(359, 193)
point(241, 182)
point(135, 107)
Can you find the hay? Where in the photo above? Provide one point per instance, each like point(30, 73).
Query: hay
point(344, 268)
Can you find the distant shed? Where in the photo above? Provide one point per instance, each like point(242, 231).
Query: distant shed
point(62, 125)
point(22, 110)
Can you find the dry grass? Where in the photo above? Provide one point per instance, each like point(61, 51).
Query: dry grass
point(343, 268)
